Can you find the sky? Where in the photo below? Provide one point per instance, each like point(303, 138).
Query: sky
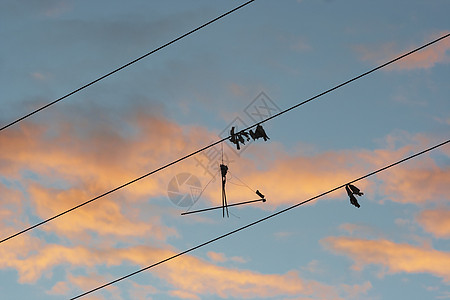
point(263, 58)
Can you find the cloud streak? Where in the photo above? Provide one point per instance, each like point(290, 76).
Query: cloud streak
point(189, 277)
point(424, 59)
point(393, 257)
point(436, 222)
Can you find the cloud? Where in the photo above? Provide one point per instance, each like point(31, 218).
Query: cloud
point(436, 221)
point(189, 277)
point(91, 281)
point(74, 166)
point(58, 8)
point(11, 208)
point(142, 292)
point(314, 267)
point(395, 258)
point(184, 295)
point(217, 257)
point(361, 230)
point(355, 291)
point(198, 277)
point(288, 178)
point(64, 168)
point(106, 218)
point(419, 182)
point(60, 288)
point(424, 59)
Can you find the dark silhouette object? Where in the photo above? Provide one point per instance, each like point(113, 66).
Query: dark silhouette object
point(243, 133)
point(235, 138)
point(261, 195)
point(351, 192)
point(217, 207)
point(223, 172)
point(355, 190)
point(238, 137)
point(259, 133)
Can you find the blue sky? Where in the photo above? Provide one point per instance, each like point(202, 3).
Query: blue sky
point(180, 99)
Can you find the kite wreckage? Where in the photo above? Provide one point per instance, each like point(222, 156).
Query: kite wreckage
point(238, 138)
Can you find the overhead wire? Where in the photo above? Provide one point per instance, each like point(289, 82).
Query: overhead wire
point(223, 139)
point(261, 220)
point(125, 65)
point(219, 207)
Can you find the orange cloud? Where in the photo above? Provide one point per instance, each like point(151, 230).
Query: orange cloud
point(396, 258)
point(286, 178)
point(69, 168)
point(60, 288)
point(189, 277)
point(91, 281)
point(10, 209)
point(88, 165)
point(217, 257)
point(142, 292)
point(105, 218)
point(424, 59)
point(416, 181)
point(195, 276)
point(436, 222)
point(419, 182)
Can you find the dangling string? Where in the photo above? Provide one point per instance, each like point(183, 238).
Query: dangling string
point(223, 169)
point(223, 172)
point(199, 195)
point(243, 183)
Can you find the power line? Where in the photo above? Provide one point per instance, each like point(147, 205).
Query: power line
point(259, 221)
point(218, 207)
point(221, 140)
point(126, 65)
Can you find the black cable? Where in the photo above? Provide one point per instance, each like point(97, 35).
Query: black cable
point(218, 207)
point(259, 221)
point(219, 141)
point(126, 65)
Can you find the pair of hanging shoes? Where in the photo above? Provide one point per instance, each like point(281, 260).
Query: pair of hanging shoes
point(351, 192)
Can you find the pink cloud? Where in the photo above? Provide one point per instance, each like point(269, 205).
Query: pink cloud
point(217, 257)
point(436, 221)
point(88, 165)
point(395, 258)
point(188, 276)
point(106, 218)
point(419, 182)
point(424, 59)
point(60, 288)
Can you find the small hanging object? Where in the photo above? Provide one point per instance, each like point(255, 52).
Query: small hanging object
point(259, 133)
point(238, 137)
point(225, 205)
point(223, 172)
point(351, 192)
point(235, 138)
point(263, 199)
